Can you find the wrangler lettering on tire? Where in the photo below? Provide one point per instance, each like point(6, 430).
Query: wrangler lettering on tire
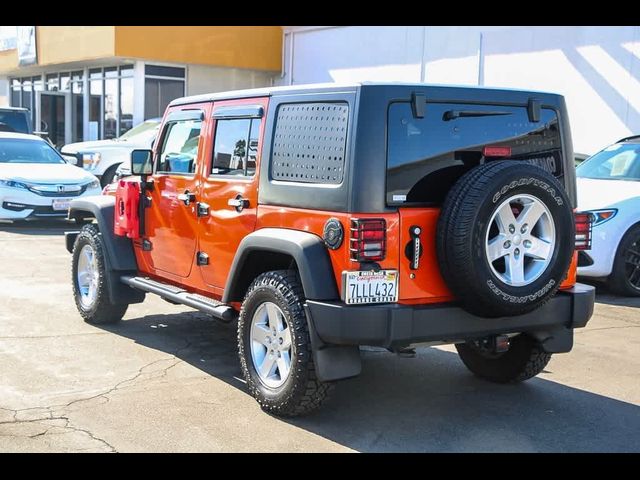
point(505, 238)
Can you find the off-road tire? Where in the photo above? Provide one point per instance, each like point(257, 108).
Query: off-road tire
point(302, 392)
point(524, 360)
point(461, 236)
point(102, 311)
point(619, 279)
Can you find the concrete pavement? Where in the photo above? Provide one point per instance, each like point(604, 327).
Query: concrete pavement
point(167, 379)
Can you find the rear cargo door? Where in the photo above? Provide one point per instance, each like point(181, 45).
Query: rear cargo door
point(427, 155)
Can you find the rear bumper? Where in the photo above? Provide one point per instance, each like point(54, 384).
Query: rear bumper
point(393, 325)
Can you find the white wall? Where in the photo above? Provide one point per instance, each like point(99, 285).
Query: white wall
point(205, 79)
point(597, 69)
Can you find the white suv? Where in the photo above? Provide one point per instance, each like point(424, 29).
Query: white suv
point(102, 157)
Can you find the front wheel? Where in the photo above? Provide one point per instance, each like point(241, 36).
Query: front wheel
point(625, 278)
point(275, 349)
point(524, 359)
point(89, 278)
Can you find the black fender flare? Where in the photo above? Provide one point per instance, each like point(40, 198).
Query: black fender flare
point(306, 249)
point(332, 362)
point(119, 254)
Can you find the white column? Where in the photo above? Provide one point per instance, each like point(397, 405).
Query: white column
point(138, 93)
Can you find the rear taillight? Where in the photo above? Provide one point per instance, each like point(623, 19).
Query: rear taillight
point(368, 240)
point(583, 231)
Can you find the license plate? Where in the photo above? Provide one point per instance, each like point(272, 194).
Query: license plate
point(61, 204)
point(370, 287)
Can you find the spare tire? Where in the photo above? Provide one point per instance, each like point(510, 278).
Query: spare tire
point(505, 238)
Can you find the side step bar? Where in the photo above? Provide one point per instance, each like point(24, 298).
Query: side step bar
point(208, 305)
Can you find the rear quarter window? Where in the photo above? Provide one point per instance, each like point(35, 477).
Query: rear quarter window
point(309, 143)
point(425, 156)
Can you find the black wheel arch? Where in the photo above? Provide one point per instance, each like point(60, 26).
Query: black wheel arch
point(119, 256)
point(279, 248)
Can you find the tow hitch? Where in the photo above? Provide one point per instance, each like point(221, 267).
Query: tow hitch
point(494, 344)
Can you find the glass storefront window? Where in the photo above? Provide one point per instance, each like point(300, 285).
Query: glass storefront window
point(27, 94)
point(158, 93)
point(110, 99)
point(95, 110)
point(110, 108)
point(37, 84)
point(64, 81)
point(126, 104)
point(53, 82)
point(77, 108)
point(16, 89)
point(111, 72)
point(126, 71)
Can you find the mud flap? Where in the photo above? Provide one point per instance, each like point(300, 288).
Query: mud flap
point(333, 362)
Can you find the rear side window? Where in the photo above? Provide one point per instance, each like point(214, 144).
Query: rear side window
point(427, 155)
point(236, 147)
point(179, 151)
point(309, 143)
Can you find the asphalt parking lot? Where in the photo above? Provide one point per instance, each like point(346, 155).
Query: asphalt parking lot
point(167, 379)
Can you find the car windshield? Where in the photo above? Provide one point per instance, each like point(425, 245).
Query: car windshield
point(146, 130)
point(18, 150)
point(620, 161)
point(13, 121)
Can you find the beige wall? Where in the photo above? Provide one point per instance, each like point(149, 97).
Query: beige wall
point(256, 48)
point(72, 44)
point(203, 79)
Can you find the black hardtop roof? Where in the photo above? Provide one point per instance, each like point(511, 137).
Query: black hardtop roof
point(438, 91)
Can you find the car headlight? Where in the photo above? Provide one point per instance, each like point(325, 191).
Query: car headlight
point(90, 160)
point(601, 216)
point(13, 184)
point(94, 184)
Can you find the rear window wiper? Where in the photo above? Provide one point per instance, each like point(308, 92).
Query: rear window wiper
point(453, 114)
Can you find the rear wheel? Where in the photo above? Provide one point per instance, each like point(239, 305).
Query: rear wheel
point(625, 277)
point(275, 349)
point(524, 359)
point(89, 277)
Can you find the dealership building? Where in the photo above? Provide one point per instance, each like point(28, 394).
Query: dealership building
point(96, 82)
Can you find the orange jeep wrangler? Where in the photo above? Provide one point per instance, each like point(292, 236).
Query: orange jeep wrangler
point(323, 218)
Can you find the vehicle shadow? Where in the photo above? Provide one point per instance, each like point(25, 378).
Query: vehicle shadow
point(430, 403)
point(39, 227)
point(606, 296)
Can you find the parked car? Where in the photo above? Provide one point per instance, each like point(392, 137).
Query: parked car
point(328, 217)
point(609, 188)
point(102, 157)
point(16, 120)
point(35, 181)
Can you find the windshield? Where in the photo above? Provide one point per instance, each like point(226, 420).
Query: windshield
point(17, 150)
point(620, 161)
point(13, 121)
point(146, 130)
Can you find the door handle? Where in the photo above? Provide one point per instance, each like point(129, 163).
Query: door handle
point(238, 203)
point(187, 197)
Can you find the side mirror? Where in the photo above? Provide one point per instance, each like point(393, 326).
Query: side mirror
point(141, 162)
